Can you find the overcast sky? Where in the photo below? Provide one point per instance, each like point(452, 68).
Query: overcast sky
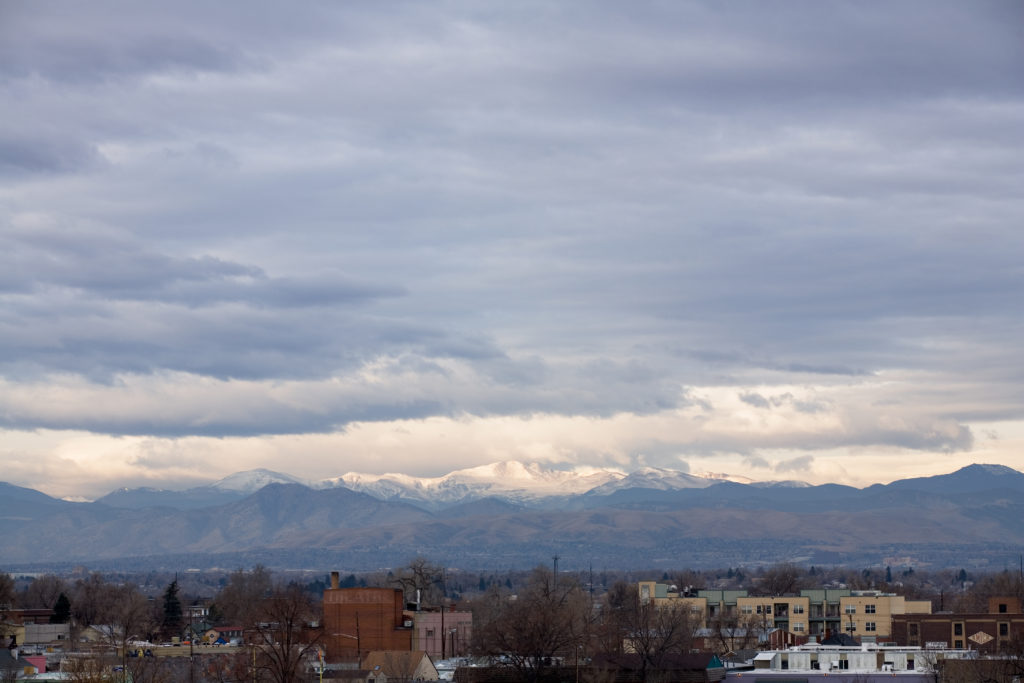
point(781, 240)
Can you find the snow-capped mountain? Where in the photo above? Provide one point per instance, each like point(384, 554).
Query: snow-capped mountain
point(520, 483)
point(511, 480)
point(299, 527)
point(525, 483)
point(656, 478)
point(253, 480)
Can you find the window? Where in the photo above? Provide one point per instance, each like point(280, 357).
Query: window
point(869, 609)
point(747, 609)
point(958, 644)
point(910, 663)
point(1004, 629)
point(958, 629)
point(764, 609)
point(851, 609)
point(869, 626)
point(913, 629)
point(798, 626)
point(844, 663)
point(430, 633)
point(1002, 608)
point(798, 609)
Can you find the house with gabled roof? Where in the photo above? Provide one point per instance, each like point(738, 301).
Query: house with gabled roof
point(401, 665)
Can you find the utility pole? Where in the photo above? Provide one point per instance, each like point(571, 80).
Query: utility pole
point(191, 649)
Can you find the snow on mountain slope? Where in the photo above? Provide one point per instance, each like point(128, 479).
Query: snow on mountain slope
point(253, 480)
point(523, 482)
point(655, 478)
point(510, 479)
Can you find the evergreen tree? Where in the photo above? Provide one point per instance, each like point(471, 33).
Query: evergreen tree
point(173, 621)
point(61, 610)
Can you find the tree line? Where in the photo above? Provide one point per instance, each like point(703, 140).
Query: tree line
point(530, 622)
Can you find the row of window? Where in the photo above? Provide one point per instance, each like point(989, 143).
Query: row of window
point(767, 609)
point(868, 609)
point(799, 609)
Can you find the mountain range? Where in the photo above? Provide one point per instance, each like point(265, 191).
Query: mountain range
point(521, 483)
point(515, 515)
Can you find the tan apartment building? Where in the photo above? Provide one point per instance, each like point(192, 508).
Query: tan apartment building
point(665, 596)
point(867, 615)
point(787, 612)
point(817, 613)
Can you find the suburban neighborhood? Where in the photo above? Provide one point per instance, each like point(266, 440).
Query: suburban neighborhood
point(547, 626)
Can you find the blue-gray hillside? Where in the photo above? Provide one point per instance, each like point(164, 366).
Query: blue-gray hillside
point(189, 499)
point(974, 513)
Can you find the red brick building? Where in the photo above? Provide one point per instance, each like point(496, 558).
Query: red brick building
point(1001, 629)
point(358, 620)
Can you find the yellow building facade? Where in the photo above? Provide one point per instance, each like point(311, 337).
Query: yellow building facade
point(866, 615)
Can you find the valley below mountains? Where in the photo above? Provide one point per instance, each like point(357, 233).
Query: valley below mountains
point(512, 515)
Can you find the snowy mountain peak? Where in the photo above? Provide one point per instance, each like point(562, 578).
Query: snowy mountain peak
point(509, 479)
point(253, 480)
point(720, 476)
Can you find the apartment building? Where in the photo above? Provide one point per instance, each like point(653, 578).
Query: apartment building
point(817, 613)
point(867, 615)
point(789, 613)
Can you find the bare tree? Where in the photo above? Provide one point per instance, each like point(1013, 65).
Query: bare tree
point(731, 634)
point(91, 669)
point(229, 668)
point(650, 631)
point(127, 616)
point(283, 636)
point(782, 579)
point(6, 601)
point(43, 592)
point(152, 670)
point(422, 579)
point(90, 599)
point(547, 620)
point(239, 601)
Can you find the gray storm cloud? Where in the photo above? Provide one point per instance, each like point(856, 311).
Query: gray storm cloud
point(257, 220)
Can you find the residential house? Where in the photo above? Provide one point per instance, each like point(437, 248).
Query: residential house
point(401, 666)
point(17, 667)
